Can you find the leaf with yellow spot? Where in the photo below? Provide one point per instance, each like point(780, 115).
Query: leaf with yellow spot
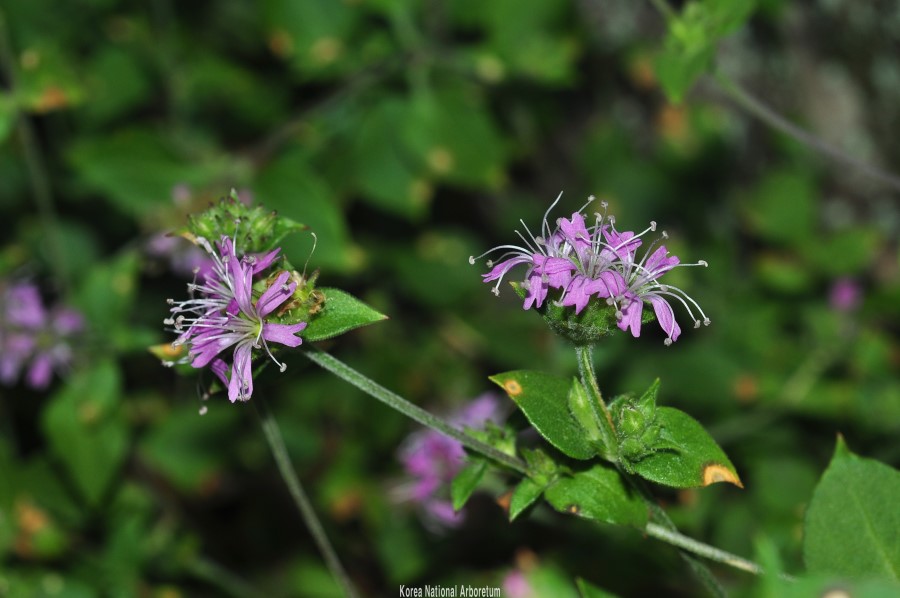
point(544, 399)
point(697, 461)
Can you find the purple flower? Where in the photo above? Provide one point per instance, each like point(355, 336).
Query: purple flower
point(845, 295)
point(596, 262)
point(222, 313)
point(32, 335)
point(432, 460)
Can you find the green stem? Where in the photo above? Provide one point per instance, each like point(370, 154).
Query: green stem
point(395, 401)
point(221, 578)
point(301, 500)
point(589, 379)
point(602, 417)
point(699, 548)
point(758, 109)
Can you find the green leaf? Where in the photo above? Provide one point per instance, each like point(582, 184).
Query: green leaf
point(291, 187)
point(690, 44)
point(599, 493)
point(526, 492)
point(698, 461)
point(86, 430)
point(136, 169)
point(9, 111)
point(385, 172)
point(106, 297)
point(544, 399)
point(340, 313)
point(853, 521)
point(773, 585)
point(185, 448)
point(466, 481)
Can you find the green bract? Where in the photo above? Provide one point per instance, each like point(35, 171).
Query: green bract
point(595, 322)
point(258, 230)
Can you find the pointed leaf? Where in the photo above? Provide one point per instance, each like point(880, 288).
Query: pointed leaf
point(341, 313)
point(599, 493)
point(524, 496)
point(86, 430)
point(698, 461)
point(853, 521)
point(466, 481)
point(544, 399)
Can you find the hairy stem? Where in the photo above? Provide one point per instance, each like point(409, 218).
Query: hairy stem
point(395, 401)
point(699, 548)
point(301, 500)
point(589, 379)
point(602, 416)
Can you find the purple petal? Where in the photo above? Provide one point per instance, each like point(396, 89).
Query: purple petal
point(40, 371)
point(25, 307)
point(576, 293)
point(283, 333)
point(622, 245)
point(631, 316)
point(659, 262)
point(556, 270)
point(242, 276)
point(275, 295)
point(537, 291)
point(665, 316)
point(67, 321)
point(241, 384)
point(263, 262)
point(485, 407)
point(220, 369)
point(208, 344)
point(609, 284)
point(503, 267)
point(576, 233)
point(442, 510)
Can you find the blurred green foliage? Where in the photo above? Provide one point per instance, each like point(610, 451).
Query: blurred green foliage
point(410, 134)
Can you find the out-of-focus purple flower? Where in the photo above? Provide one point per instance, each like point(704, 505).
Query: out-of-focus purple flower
point(33, 336)
point(184, 257)
point(596, 262)
point(845, 295)
point(222, 313)
point(432, 460)
point(515, 585)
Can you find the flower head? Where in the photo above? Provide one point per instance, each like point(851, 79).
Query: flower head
point(225, 311)
point(586, 262)
point(34, 335)
point(432, 460)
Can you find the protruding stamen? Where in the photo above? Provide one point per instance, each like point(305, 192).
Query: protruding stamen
point(703, 263)
point(471, 260)
point(653, 225)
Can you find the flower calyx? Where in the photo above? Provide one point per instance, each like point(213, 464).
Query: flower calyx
point(638, 432)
